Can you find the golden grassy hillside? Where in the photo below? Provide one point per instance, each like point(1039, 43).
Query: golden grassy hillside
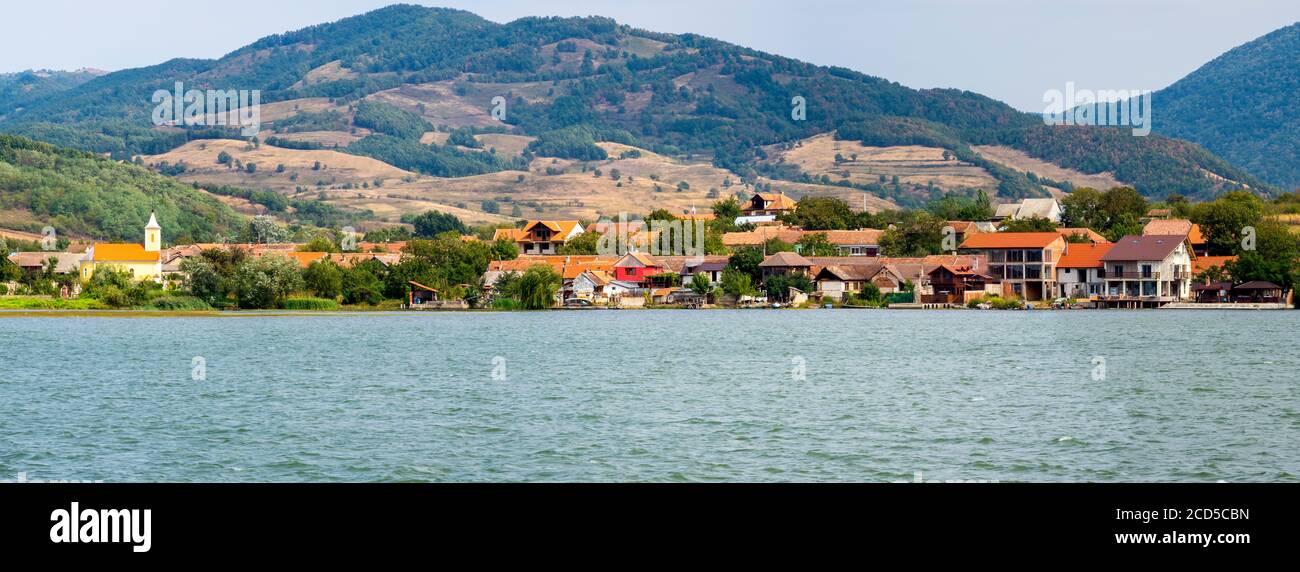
point(1020, 161)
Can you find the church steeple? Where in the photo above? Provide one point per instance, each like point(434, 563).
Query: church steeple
point(152, 235)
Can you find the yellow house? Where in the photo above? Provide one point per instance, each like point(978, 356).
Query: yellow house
point(142, 261)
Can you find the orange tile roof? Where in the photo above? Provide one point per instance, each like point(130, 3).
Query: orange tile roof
point(511, 234)
point(119, 252)
point(779, 201)
point(1175, 226)
point(1084, 255)
point(1202, 263)
point(1011, 240)
point(1092, 235)
point(304, 259)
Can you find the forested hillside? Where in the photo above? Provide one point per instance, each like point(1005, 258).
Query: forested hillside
point(1241, 106)
point(84, 195)
point(395, 73)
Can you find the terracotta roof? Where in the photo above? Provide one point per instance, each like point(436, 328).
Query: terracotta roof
point(1084, 255)
point(852, 272)
point(304, 259)
point(778, 201)
point(511, 234)
point(851, 237)
point(1011, 240)
point(640, 257)
point(1148, 247)
point(1203, 263)
point(561, 228)
point(792, 235)
point(119, 252)
point(1177, 226)
point(1257, 285)
point(785, 260)
point(1092, 235)
point(67, 262)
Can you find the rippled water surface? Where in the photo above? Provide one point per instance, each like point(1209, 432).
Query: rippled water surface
point(655, 396)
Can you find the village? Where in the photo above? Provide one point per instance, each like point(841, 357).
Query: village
point(639, 265)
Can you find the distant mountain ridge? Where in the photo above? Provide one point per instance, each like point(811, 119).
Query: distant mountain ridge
point(571, 82)
point(1242, 106)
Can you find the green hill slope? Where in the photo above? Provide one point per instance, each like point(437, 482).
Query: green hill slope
point(573, 81)
point(1241, 105)
point(85, 195)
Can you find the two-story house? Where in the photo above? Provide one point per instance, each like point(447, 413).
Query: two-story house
point(1148, 270)
point(1025, 262)
point(540, 236)
point(1079, 273)
point(764, 204)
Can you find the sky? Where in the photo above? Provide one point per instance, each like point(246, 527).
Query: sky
point(1011, 50)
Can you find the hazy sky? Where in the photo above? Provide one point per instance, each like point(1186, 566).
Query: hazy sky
point(1012, 50)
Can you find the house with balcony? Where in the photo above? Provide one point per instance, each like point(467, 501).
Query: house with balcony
point(1080, 273)
point(1147, 271)
point(540, 236)
point(768, 204)
point(1024, 262)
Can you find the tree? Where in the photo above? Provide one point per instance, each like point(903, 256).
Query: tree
point(736, 282)
point(323, 278)
point(821, 213)
point(583, 244)
point(537, 287)
point(1032, 224)
point(263, 229)
point(1274, 258)
point(359, 285)
point(490, 206)
point(433, 223)
point(816, 244)
point(700, 284)
point(262, 282)
point(726, 211)
point(1225, 219)
point(870, 293)
point(917, 234)
point(318, 244)
point(505, 250)
point(746, 259)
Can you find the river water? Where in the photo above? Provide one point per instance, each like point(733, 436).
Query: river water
point(747, 395)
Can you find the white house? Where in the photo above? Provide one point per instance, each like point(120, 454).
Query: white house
point(1079, 271)
point(1148, 270)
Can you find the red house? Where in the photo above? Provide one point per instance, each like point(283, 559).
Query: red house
point(635, 267)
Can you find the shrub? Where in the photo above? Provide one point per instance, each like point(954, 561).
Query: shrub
point(319, 304)
point(179, 304)
point(4, 289)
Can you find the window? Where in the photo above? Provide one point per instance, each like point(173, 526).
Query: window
point(1015, 256)
point(1119, 270)
point(1146, 270)
point(997, 256)
point(1033, 256)
point(1033, 272)
point(631, 271)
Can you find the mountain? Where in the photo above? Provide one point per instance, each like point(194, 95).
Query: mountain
point(394, 111)
point(18, 90)
point(1241, 106)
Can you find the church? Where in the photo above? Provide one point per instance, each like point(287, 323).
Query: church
point(142, 261)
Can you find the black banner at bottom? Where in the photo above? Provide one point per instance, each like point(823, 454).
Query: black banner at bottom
point(164, 521)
